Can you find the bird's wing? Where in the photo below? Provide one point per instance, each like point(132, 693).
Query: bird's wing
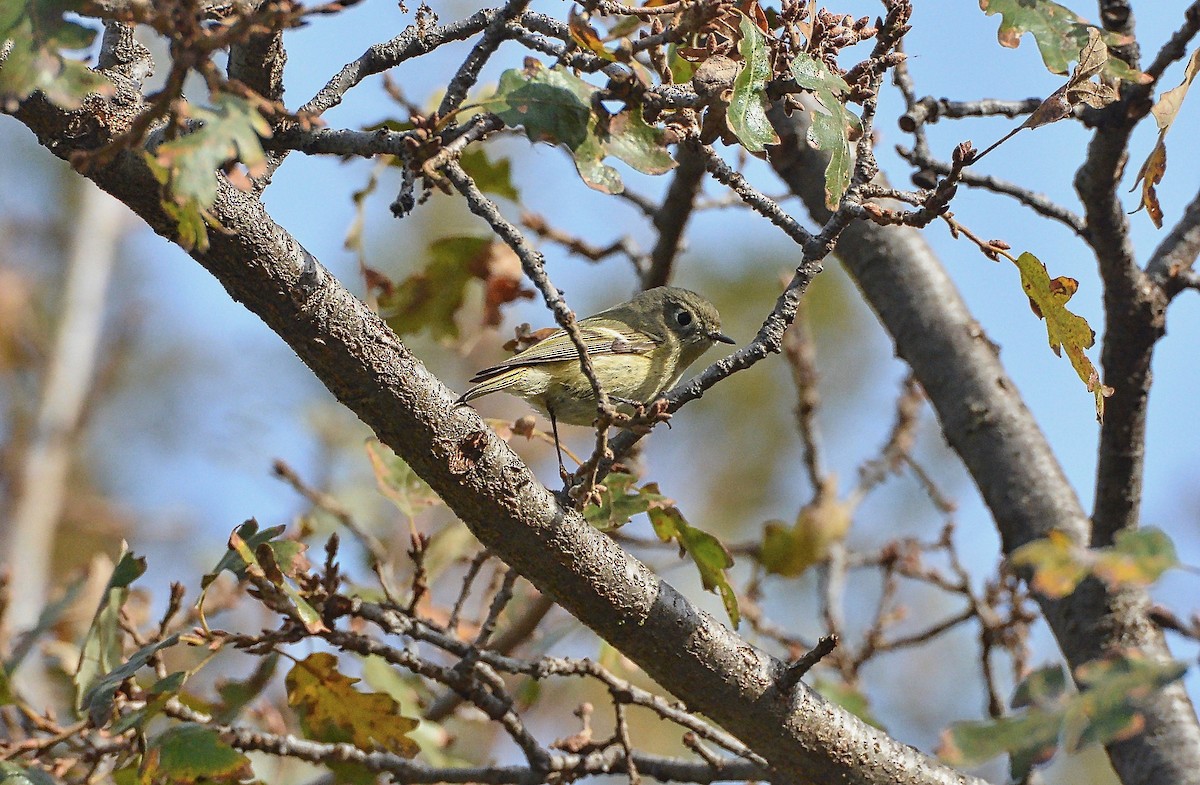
point(597, 339)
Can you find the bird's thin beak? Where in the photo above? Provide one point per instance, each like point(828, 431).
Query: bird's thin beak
point(722, 337)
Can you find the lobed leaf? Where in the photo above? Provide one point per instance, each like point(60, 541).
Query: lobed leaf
point(1065, 330)
point(36, 33)
point(228, 131)
point(1104, 709)
point(332, 711)
point(555, 106)
point(832, 130)
point(1136, 558)
point(1059, 33)
point(430, 299)
point(747, 113)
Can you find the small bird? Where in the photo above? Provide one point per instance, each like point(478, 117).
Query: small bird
point(638, 349)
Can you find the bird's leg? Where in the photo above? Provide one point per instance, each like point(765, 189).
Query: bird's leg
point(562, 469)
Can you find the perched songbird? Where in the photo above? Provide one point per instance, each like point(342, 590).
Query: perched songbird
point(638, 349)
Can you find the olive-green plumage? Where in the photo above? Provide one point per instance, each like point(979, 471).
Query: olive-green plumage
point(638, 349)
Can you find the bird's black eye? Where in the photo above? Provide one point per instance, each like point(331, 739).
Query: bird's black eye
point(683, 318)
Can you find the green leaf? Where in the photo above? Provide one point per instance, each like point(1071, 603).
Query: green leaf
point(250, 534)
point(1112, 688)
point(429, 299)
point(747, 112)
point(829, 131)
point(553, 105)
point(101, 652)
point(494, 177)
point(1059, 33)
point(237, 694)
point(38, 32)
point(265, 561)
point(1058, 563)
point(711, 557)
point(1137, 557)
point(193, 753)
point(97, 702)
point(1043, 687)
point(228, 131)
point(1031, 738)
point(790, 550)
point(157, 698)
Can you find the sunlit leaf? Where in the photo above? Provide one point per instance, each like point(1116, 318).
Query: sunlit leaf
point(1112, 688)
point(276, 562)
point(1057, 564)
point(231, 561)
point(398, 482)
point(1137, 558)
point(586, 36)
point(228, 131)
point(747, 112)
point(1105, 709)
point(619, 502)
point(790, 550)
point(1031, 738)
point(1064, 329)
point(1079, 87)
point(331, 710)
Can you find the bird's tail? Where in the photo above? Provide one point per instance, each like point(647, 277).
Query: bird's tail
point(495, 384)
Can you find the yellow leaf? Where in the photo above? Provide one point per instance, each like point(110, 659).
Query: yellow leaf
point(819, 526)
point(331, 710)
point(1049, 298)
point(1058, 564)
